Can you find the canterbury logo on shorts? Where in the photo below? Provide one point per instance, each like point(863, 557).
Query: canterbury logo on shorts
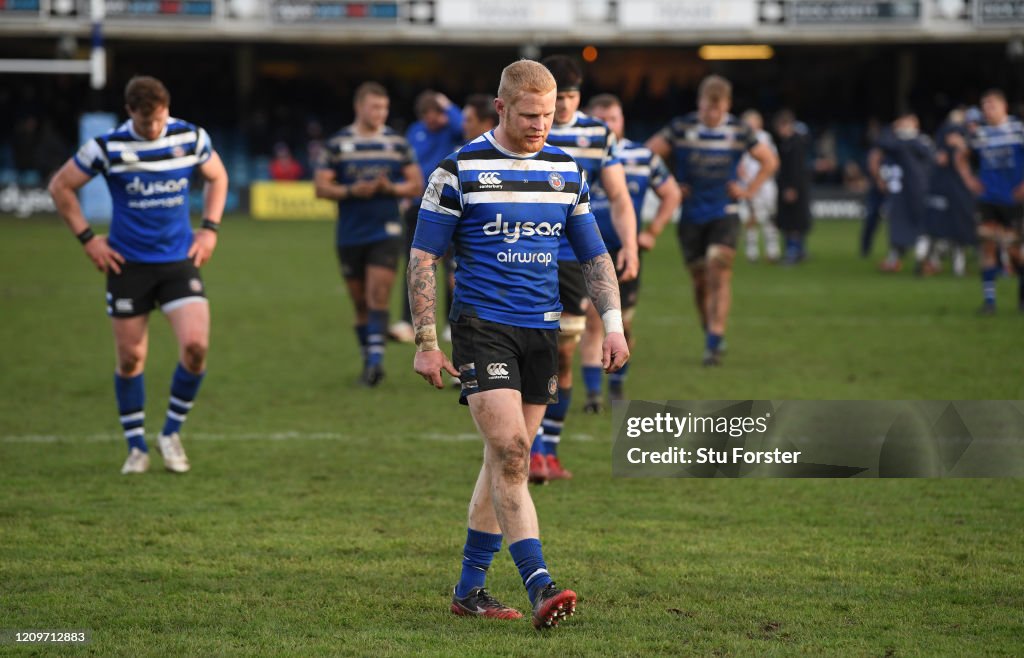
point(497, 371)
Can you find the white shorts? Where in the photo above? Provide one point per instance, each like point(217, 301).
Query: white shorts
point(764, 205)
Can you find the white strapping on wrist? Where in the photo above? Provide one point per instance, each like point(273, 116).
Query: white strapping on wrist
point(426, 338)
point(612, 320)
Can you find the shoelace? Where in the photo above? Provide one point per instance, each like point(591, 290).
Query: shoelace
point(484, 597)
point(174, 448)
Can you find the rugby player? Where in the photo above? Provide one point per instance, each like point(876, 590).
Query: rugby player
point(503, 201)
point(704, 149)
point(367, 167)
point(998, 145)
point(592, 145)
point(151, 257)
point(758, 212)
point(644, 171)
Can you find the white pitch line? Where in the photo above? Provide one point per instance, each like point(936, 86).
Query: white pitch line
point(253, 436)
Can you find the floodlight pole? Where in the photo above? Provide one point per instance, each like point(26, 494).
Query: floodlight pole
point(98, 55)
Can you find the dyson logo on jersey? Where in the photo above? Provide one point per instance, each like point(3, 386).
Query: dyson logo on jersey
point(513, 232)
point(136, 186)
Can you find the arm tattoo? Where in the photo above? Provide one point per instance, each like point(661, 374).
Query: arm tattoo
point(422, 299)
point(602, 284)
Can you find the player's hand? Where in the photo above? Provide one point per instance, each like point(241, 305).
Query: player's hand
point(684, 190)
point(956, 140)
point(646, 240)
point(103, 256)
point(385, 186)
point(203, 244)
point(1018, 193)
point(429, 365)
point(627, 264)
point(790, 195)
point(363, 189)
point(737, 191)
point(975, 186)
point(615, 352)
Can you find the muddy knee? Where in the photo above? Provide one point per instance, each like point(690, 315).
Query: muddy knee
point(194, 356)
point(514, 460)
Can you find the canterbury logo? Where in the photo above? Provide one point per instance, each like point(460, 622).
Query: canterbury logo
point(497, 370)
point(489, 178)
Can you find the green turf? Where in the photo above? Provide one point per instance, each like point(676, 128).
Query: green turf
point(322, 518)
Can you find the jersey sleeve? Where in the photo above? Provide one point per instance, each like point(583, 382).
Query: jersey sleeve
point(659, 171)
point(323, 156)
point(440, 210)
point(668, 133)
point(204, 147)
point(749, 138)
point(408, 155)
point(91, 158)
point(581, 227)
point(611, 151)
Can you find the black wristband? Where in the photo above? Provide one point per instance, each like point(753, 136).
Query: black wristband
point(211, 225)
point(85, 235)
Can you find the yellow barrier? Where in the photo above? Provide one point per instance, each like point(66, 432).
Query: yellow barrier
point(288, 200)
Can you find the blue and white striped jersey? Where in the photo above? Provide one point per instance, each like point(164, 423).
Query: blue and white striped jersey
point(353, 157)
point(505, 212)
point(149, 183)
point(644, 170)
point(592, 144)
point(1000, 151)
point(706, 160)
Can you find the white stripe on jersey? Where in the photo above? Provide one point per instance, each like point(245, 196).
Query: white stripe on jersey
point(592, 153)
point(364, 139)
point(637, 170)
point(510, 164)
point(635, 153)
point(367, 154)
point(574, 129)
point(158, 165)
point(90, 152)
point(435, 187)
point(709, 144)
point(161, 143)
point(581, 209)
point(998, 140)
point(497, 196)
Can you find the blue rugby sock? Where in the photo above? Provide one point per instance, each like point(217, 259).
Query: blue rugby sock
point(617, 379)
point(131, 406)
point(988, 283)
point(361, 334)
point(554, 419)
point(712, 341)
point(537, 448)
point(184, 387)
point(477, 556)
point(376, 331)
point(592, 379)
point(529, 560)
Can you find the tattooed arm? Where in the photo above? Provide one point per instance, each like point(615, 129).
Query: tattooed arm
point(429, 360)
point(603, 288)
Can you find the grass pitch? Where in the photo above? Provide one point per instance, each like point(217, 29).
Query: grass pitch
point(322, 518)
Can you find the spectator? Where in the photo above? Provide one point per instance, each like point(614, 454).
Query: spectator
point(284, 166)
